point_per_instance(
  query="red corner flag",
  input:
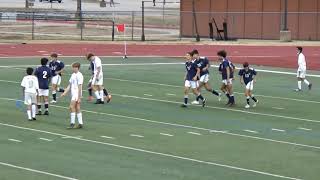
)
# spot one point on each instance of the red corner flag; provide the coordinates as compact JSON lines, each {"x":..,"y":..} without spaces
{"x":120,"y":27}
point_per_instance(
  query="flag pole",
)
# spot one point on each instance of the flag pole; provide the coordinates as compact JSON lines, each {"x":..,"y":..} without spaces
{"x":125,"y":43}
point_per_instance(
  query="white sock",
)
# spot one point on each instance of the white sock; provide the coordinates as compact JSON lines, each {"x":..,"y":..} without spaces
{"x":306,"y":82}
{"x":299,"y":84}
{"x":102,"y":95}
{"x":97,"y":94}
{"x":73,"y":118}
{"x":29,"y":114}
{"x":79,"y":116}
{"x":34,"y":108}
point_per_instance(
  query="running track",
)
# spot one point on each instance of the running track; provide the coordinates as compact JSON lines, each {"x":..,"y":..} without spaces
{"x":275,"y":56}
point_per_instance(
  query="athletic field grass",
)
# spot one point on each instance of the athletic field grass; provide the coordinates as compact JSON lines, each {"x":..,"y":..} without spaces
{"x":143,"y":134}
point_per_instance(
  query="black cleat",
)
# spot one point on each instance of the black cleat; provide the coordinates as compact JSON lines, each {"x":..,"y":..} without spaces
{"x":232,"y":104}
{"x":99,"y":101}
{"x":46,"y":113}
{"x":184,"y":105}
{"x":310,"y":86}
{"x":80,"y":126}
{"x":71,"y":126}
{"x":29,"y":119}
{"x":39,"y":113}
{"x":34,"y":119}
{"x":203,"y":102}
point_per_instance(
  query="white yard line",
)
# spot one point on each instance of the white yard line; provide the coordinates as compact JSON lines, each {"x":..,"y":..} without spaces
{"x":165,"y":134}
{"x":195,"y":133}
{"x":169,"y":94}
{"x":279,"y":108}
{"x":136,"y":135}
{"x":279,"y":130}
{"x":45,"y":139}
{"x":148,"y":95}
{"x":15,"y":140}
{"x":107,"y":137}
{"x":251,"y":131}
{"x":37,"y":171}
{"x":306,"y":129}
{"x":160,"y":154}
{"x":177,"y":125}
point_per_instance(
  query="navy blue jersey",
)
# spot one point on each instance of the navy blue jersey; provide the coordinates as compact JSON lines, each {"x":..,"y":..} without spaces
{"x":191,"y":68}
{"x":232,"y":69}
{"x":247,"y":75}
{"x":202,"y":63}
{"x":224,"y":65}
{"x":56,"y":66}
{"x":43,"y":73}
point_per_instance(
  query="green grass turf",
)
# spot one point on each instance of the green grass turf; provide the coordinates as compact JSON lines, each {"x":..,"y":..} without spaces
{"x":132,"y":112}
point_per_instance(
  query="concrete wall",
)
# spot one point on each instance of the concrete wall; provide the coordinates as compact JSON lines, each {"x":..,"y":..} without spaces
{"x":245,"y":19}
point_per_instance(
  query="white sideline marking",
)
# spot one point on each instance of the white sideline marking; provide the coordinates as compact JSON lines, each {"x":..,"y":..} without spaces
{"x":165,"y":134}
{"x":168,"y":94}
{"x":279,"y":130}
{"x":195,"y":133}
{"x":107,"y":137}
{"x":176,"y":125}
{"x":37,"y":171}
{"x":158,"y":153}
{"x":279,"y":108}
{"x":14,"y":140}
{"x":251,"y":131}
{"x":71,"y":137}
{"x":306,"y":129}
{"x":45,"y":139}
{"x":148,"y":95}
{"x":136,"y":135}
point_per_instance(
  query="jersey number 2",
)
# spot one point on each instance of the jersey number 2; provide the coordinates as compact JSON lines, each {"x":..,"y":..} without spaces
{"x":45,"y":74}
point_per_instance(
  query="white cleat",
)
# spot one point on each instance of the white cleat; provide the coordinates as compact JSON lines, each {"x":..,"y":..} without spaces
{"x":255,"y":104}
{"x":247,"y":106}
{"x":195,"y":102}
{"x":53,"y":102}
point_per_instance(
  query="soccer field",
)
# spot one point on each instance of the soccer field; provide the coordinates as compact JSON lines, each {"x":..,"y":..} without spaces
{"x":143,"y":134}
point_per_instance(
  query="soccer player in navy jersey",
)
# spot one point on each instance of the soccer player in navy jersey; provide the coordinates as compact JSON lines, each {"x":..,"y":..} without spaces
{"x":204,"y":65}
{"x":57,"y":68}
{"x":247,"y":77}
{"x":226,"y":69}
{"x":191,"y":80}
{"x":43,"y":73}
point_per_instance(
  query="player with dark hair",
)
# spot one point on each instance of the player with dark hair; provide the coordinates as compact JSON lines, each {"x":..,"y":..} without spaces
{"x":302,"y":70}
{"x":248,"y":77}
{"x":204,"y":65}
{"x":57,"y":68}
{"x":191,"y":80}
{"x":43,"y":73}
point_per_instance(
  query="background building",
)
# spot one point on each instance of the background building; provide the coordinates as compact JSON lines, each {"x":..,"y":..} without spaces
{"x":253,"y":19}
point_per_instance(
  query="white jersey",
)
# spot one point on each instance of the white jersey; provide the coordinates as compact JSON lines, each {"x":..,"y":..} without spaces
{"x":30,"y":83}
{"x":76,"y":80}
{"x":96,"y":64}
{"x":302,"y":62}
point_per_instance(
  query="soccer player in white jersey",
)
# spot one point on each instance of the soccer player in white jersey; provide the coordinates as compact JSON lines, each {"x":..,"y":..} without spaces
{"x":302,"y":70}
{"x":30,"y":87}
{"x":97,"y":79}
{"x":75,"y":87}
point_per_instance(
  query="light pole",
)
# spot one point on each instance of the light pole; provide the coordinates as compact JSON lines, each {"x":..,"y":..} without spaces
{"x":285,"y":25}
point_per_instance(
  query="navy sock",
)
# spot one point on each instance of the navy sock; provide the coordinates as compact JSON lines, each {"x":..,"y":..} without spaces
{"x":46,"y":106}
{"x":61,"y":90}
{"x":197,"y":98}
{"x":215,"y":93}
{"x":54,"y":97}
{"x":39,"y":107}
{"x":248,"y":100}
{"x":254,"y":99}
{"x":200,"y":97}
{"x":90,"y":92}
{"x":232,"y":98}
{"x":185,"y":100}
{"x":105,"y":92}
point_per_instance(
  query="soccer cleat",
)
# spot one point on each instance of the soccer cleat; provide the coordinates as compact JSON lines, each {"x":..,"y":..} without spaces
{"x":29,"y":119}
{"x":90,"y":98}
{"x":297,"y":90}
{"x":247,"y":106}
{"x":108,"y":98}
{"x":310,"y":86}
{"x":219,"y":97}
{"x":34,"y":119}
{"x":71,"y":126}
{"x":39,"y":113}
{"x":53,"y":102}
{"x":80,"y":126}
{"x":255,"y":104}
{"x":232,"y":104}
{"x":195,"y":102}
{"x":203,"y":102}
{"x":98,"y":101}
{"x":184,"y":105}
{"x":46,"y":113}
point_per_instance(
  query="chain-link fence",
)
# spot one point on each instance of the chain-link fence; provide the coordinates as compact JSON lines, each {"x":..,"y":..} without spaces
{"x":44,"y":25}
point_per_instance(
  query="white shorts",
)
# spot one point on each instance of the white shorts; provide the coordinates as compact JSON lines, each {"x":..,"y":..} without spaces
{"x":192,"y":84}
{"x":249,"y":86}
{"x":301,"y":74}
{"x":204,"y":78}
{"x":74,"y":97}
{"x":99,"y":81}
{"x":30,"y":98}
{"x":225,"y":82}
{"x":56,"y":80}
{"x":43,"y":92}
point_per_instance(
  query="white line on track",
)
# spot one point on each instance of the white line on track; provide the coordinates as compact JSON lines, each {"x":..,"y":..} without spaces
{"x":136,"y":135}
{"x":195,"y":133}
{"x":306,"y":129}
{"x":251,"y":131}
{"x":71,"y":137}
{"x":15,"y":140}
{"x":279,"y":130}
{"x":107,"y":137}
{"x":148,"y":95}
{"x":45,"y":139}
{"x":159,"y":153}
{"x":37,"y":171}
{"x":165,"y":134}
{"x":279,"y":108}
{"x":176,"y":125}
